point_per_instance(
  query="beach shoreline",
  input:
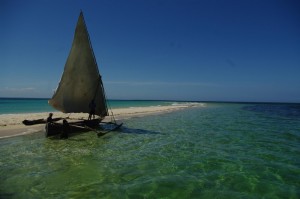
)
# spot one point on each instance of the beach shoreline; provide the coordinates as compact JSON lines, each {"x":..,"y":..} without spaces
{"x":11,"y":124}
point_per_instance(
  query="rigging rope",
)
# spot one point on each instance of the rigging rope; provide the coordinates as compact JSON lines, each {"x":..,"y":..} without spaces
{"x":112,"y":114}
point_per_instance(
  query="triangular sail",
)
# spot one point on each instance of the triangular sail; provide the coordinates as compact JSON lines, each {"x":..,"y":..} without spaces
{"x":81,"y":82}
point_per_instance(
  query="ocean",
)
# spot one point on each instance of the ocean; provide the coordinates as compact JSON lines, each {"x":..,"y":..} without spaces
{"x":219,"y":150}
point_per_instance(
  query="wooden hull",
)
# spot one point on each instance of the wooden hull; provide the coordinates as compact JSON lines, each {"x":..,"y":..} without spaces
{"x":53,"y":129}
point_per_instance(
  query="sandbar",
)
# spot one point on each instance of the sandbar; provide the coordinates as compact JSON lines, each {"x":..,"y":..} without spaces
{"x":11,"y":124}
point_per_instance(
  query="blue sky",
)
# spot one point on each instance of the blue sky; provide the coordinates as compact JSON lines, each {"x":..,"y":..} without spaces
{"x":226,"y":50}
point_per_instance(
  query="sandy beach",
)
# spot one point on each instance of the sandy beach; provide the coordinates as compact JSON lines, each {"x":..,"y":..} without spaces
{"x":11,"y":124}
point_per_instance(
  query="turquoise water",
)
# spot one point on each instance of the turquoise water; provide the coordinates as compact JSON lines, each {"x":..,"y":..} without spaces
{"x":216,"y":151}
{"x":25,"y":105}
{"x":20,"y":105}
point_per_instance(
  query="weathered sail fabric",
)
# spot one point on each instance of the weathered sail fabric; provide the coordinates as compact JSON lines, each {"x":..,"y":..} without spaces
{"x":81,"y":82}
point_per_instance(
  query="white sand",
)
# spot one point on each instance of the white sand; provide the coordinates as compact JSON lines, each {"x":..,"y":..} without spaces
{"x":11,"y":124}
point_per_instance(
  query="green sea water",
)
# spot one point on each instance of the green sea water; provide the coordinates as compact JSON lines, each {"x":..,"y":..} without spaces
{"x":216,"y":151}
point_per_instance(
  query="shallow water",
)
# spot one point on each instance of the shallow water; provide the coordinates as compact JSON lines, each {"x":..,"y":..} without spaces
{"x":217,"y":151}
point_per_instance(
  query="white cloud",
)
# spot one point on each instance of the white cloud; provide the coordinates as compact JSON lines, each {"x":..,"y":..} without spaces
{"x":18,"y":89}
{"x":18,"y":92}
